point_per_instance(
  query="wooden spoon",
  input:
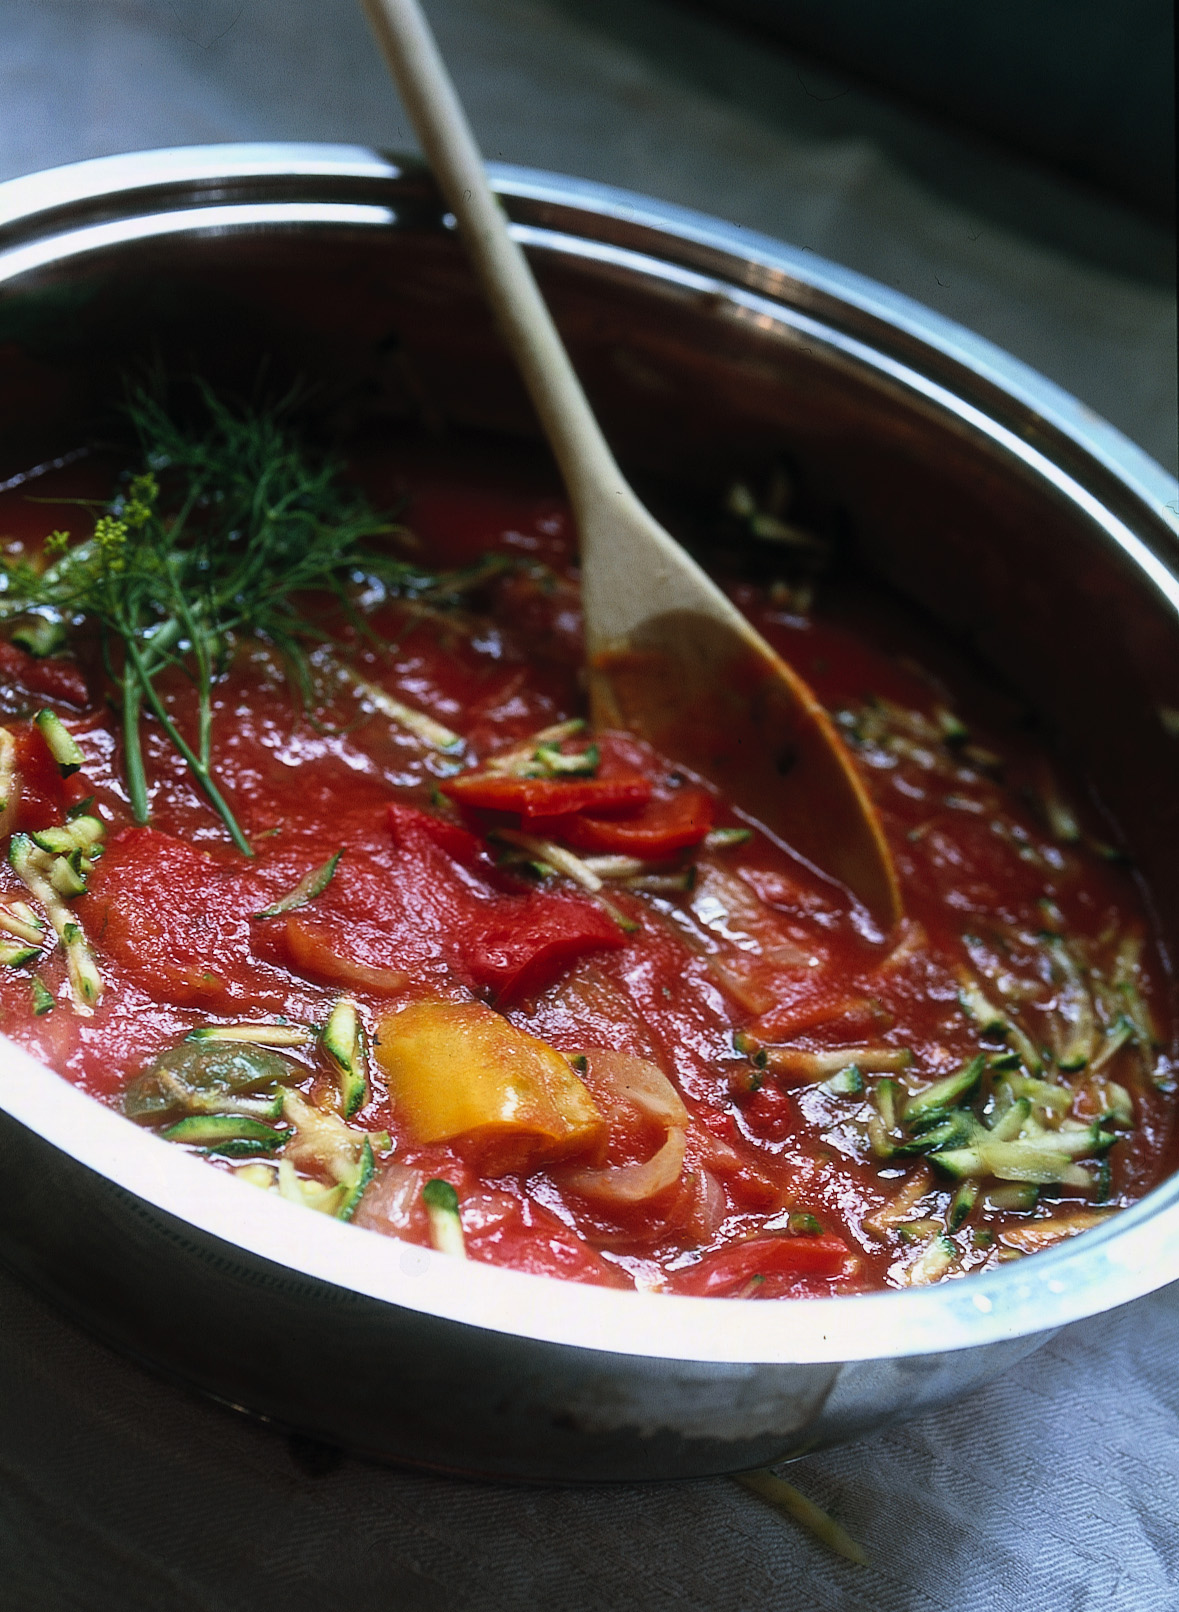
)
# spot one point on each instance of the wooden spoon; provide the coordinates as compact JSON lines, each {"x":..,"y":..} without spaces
{"x":669,"y":657}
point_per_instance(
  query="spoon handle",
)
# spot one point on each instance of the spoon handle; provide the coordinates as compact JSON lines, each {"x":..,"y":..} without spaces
{"x":668,"y":654}
{"x":586,"y":462}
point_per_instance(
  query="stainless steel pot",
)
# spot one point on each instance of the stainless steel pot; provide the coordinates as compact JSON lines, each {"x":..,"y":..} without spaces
{"x":1036,"y":532}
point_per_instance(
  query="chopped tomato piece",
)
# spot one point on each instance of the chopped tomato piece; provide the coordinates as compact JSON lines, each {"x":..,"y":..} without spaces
{"x":546,"y":797}
{"x":169,"y":916}
{"x":544,"y":1252}
{"x":52,"y":679}
{"x":771,"y":1113}
{"x":765,"y":1266}
{"x":43,"y":791}
{"x":662,"y":827}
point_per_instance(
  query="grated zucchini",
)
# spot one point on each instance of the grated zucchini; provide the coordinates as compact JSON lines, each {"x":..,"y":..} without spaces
{"x":255,"y":1035}
{"x":63,"y":747}
{"x":311,"y":885}
{"x":344,"y":1043}
{"x":944,"y":1094}
{"x":442,"y":1209}
{"x":235,"y":1135}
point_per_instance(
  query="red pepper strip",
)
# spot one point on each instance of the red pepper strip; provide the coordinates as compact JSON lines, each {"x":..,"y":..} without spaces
{"x":546,"y":797}
{"x":513,"y":945}
{"x":659,"y":829}
{"x":519,"y":951}
{"x":52,"y":679}
{"x":733,"y":1269}
{"x":410,"y":828}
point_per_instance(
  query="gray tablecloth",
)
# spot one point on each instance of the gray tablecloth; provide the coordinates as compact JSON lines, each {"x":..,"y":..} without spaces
{"x":1054,"y":1488}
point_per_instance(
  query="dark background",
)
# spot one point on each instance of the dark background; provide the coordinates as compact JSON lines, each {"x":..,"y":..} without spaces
{"x":1085,"y":87}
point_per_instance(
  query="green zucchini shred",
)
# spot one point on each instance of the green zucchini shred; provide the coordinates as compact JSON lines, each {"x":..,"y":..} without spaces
{"x":999,"y":1062}
{"x":1121,"y":1107}
{"x":938,"y":1256}
{"x":236,"y":1135}
{"x":253,"y":1035}
{"x":344,"y":1043}
{"x":554,"y":763}
{"x":885,"y":1098}
{"x":43,"y":999}
{"x":57,"y":840}
{"x":1056,"y":1099}
{"x":724,"y":839}
{"x":979,"y":1009}
{"x":750,"y":1047}
{"x":1075,"y":1004}
{"x":784,"y":1497}
{"x":961,"y":1205}
{"x":67,"y":877}
{"x":324,"y":1141}
{"x":952,"y":1129}
{"x":309,"y":886}
{"x":442,"y":1210}
{"x":947,"y":1093}
{"x":63,"y":747}
{"x":33,"y":867}
{"x":306,"y":1192}
{"x":1017,"y":1195}
{"x":20,"y":921}
{"x":1009,"y":1121}
{"x":848,"y":1082}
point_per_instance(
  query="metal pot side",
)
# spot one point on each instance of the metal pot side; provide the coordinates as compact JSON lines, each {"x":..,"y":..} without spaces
{"x":1033,"y":530}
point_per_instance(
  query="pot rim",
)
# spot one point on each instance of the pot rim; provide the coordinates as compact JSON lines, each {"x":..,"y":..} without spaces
{"x":44,"y":220}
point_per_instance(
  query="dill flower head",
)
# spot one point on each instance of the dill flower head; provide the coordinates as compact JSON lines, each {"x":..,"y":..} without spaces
{"x":110,"y":540}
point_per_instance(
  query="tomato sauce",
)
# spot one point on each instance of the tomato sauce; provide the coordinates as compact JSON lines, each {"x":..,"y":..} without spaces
{"x":796,"y":1039}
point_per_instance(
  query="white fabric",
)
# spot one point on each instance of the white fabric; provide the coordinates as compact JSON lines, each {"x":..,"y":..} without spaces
{"x":1054,"y":1488}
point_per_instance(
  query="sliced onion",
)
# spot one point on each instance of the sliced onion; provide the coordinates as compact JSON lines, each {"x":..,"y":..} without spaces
{"x":632,"y":1183}
{"x":913,"y":939}
{"x":721,"y":1156}
{"x":742,"y":983}
{"x":637,"y":1081}
{"x":707,"y":1206}
{"x":311,"y":954}
{"x":388,"y":1205}
{"x":380,"y":980}
{"x":731,"y":909}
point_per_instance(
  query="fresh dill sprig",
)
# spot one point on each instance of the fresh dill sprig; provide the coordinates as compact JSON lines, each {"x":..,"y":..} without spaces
{"x":216,"y":538}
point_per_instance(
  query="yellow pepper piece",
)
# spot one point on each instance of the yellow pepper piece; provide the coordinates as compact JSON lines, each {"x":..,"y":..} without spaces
{"x":460,"y":1073}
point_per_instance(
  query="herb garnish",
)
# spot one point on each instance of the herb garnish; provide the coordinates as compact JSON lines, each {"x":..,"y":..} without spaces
{"x":228,"y":523}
